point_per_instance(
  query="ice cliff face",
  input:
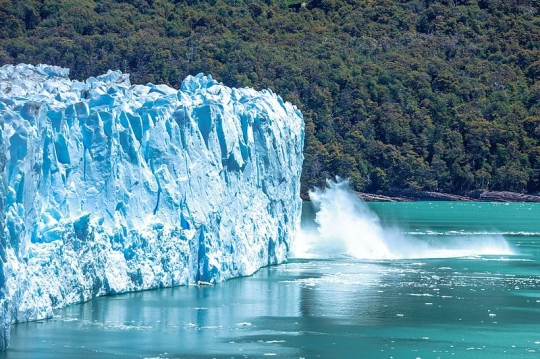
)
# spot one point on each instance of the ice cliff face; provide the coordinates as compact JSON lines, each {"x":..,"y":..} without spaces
{"x":107,"y":187}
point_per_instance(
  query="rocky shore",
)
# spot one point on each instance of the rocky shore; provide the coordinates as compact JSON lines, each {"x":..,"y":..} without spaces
{"x":407,"y":195}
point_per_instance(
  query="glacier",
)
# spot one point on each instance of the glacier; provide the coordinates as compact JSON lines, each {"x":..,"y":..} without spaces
{"x":108,"y":187}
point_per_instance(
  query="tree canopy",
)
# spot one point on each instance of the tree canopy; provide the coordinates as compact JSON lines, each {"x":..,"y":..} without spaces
{"x":440,"y":95}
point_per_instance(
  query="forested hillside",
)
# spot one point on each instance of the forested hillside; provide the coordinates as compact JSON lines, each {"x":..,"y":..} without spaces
{"x":421,"y":94}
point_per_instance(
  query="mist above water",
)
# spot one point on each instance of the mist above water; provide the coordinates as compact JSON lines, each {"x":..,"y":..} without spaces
{"x":346,"y":227}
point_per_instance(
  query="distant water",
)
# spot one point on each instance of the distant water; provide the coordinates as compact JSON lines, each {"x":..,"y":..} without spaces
{"x":445,"y":280}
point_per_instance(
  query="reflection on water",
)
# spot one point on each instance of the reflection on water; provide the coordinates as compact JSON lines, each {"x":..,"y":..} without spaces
{"x":179,"y":321}
{"x":306,"y":308}
{"x":474,"y":307}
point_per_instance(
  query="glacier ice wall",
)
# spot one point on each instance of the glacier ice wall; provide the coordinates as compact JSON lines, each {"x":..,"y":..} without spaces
{"x":108,"y":187}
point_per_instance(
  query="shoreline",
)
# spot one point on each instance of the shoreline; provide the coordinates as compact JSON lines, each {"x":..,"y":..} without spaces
{"x":407,"y":195}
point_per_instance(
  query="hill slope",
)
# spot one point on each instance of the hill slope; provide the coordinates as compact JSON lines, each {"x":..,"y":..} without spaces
{"x":424,"y":95}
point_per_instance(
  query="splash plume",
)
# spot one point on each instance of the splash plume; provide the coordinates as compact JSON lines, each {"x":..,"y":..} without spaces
{"x":346,"y":227}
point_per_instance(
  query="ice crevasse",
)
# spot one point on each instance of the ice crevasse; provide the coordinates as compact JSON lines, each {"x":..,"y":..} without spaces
{"x":108,"y":187}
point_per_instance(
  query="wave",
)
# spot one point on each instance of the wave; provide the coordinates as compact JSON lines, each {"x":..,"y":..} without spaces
{"x":474,"y":233}
{"x":346,"y":227}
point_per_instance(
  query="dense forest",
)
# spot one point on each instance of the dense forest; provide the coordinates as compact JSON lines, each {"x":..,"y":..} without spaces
{"x":413,"y":94}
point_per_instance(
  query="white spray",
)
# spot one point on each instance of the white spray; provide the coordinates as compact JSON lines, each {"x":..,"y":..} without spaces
{"x":345,"y":226}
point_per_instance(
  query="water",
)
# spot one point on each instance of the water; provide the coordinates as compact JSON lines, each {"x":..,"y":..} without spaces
{"x":471,"y":291}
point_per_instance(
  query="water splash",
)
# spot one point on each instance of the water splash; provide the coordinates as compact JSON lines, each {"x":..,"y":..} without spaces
{"x":345,"y":226}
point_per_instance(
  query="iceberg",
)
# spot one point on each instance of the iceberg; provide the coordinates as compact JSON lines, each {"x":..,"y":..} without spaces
{"x":108,"y":187}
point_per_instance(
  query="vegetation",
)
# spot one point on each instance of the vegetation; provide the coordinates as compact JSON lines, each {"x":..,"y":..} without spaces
{"x":415,"y":94}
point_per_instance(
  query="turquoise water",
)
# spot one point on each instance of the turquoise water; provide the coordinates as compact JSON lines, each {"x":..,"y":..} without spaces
{"x":339,"y":306}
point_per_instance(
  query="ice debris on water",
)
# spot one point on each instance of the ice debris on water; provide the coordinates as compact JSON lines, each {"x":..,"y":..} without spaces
{"x":108,"y":187}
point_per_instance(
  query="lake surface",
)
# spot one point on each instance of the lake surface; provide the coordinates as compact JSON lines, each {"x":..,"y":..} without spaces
{"x":337,"y":305}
